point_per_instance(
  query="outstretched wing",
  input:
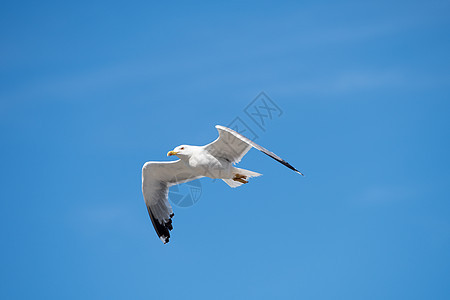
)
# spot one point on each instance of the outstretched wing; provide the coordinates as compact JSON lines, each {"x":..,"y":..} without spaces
{"x":230,"y":145}
{"x":157,"y":177}
{"x":233,"y":146}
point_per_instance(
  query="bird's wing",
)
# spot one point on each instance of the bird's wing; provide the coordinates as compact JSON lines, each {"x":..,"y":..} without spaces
{"x":233,"y":146}
{"x":230,"y":145}
{"x":157,"y":177}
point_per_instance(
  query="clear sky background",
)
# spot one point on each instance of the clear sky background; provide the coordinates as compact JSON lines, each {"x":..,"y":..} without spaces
{"x":89,"y":91}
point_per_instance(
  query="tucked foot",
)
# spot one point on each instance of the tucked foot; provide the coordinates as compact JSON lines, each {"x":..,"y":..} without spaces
{"x":240,"y":178}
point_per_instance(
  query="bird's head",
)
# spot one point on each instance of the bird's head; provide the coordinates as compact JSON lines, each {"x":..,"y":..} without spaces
{"x":181,"y":151}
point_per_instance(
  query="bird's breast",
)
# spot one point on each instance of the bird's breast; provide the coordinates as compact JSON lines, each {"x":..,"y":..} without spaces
{"x":210,"y":166}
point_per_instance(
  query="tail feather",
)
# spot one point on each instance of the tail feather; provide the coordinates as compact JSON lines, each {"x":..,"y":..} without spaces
{"x":232,"y":183}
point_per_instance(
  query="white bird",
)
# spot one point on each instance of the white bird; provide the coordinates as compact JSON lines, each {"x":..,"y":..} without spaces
{"x":214,"y":160}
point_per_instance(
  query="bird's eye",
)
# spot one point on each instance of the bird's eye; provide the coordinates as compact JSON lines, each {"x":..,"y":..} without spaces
{"x":182,"y":148}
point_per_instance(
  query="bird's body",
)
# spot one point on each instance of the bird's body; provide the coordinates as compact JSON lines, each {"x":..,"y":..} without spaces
{"x":214,"y":160}
{"x":203,"y":163}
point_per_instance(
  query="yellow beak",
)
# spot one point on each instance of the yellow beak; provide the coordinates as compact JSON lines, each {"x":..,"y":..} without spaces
{"x":170,"y":153}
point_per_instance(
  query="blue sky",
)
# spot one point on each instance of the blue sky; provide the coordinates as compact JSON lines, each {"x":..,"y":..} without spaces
{"x":89,"y":91}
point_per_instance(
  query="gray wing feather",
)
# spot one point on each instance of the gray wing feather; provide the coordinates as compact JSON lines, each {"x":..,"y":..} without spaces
{"x":157,"y":177}
{"x":233,"y":146}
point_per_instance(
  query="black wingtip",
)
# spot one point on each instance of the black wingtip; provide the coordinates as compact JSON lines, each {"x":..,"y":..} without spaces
{"x":280,"y":160}
{"x":162,"y":228}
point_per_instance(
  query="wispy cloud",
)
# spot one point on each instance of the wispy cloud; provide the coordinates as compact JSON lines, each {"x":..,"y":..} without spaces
{"x":82,"y":82}
{"x":345,"y":82}
{"x":380,"y":195}
{"x":145,"y":69}
{"x":97,"y":218}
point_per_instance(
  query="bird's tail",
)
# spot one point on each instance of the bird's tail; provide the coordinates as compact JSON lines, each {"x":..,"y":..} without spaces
{"x":240,"y":172}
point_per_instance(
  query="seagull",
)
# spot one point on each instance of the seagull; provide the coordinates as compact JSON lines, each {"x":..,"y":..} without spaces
{"x":215,"y":160}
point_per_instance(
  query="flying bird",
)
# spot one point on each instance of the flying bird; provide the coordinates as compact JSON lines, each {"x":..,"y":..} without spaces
{"x":215,"y":160}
